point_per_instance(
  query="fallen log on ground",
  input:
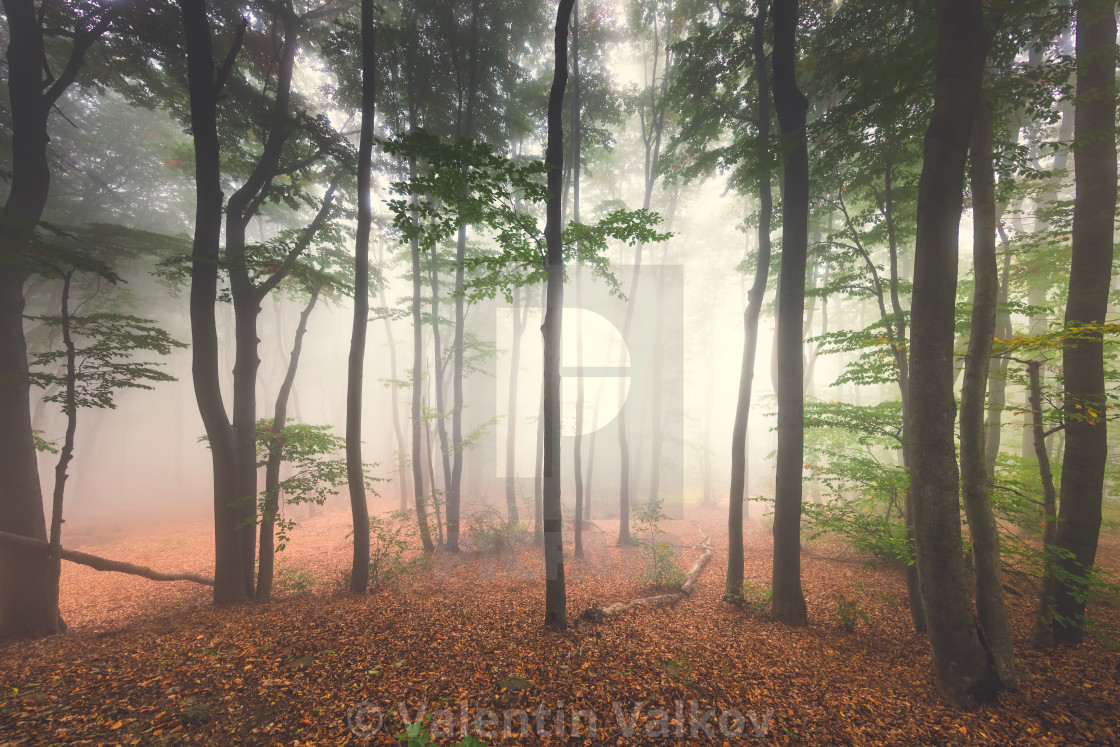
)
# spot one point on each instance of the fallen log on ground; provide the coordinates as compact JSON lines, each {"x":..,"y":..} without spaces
{"x":102,"y":564}
{"x":598,"y":614}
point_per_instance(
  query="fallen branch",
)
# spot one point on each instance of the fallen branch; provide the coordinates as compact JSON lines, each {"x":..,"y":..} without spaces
{"x":598,"y":614}
{"x":102,"y":564}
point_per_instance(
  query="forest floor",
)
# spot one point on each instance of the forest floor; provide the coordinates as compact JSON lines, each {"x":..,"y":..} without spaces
{"x":153,"y":663}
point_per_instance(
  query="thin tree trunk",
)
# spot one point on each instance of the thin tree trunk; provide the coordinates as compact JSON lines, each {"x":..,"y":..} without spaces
{"x":577,"y":447}
{"x":736,"y":504}
{"x":975,"y":479}
{"x":355,"y":472}
{"x":788,"y":601}
{"x":437,"y":376}
{"x":1043,"y":634}
{"x":417,"y":372}
{"x":1090,"y":275}
{"x":997,"y":376}
{"x":960,"y":662}
{"x":267,"y":551}
{"x":66,"y":453}
{"x":556,"y":615}
{"x":520,"y":318}
{"x":398,"y":432}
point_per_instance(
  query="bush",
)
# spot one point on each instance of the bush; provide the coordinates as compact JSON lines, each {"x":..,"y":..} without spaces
{"x":661,"y":568}
{"x":754,"y":598}
{"x":293,"y":579}
{"x":849,"y":612}
{"x":487,"y":531}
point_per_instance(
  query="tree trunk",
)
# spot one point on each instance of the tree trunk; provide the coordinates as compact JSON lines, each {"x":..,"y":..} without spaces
{"x":555,"y":615}
{"x":267,"y":554}
{"x":437,"y":378}
{"x":791,"y":106}
{"x":735,"y":506}
{"x":960,"y":662}
{"x":577,"y":125}
{"x":27,"y":604}
{"x":417,"y":372}
{"x":997,"y":375}
{"x":398,"y":432}
{"x":975,"y":479}
{"x":355,"y":472}
{"x":229,"y":581}
{"x":520,"y":318}
{"x":1090,"y":274}
{"x":1043,"y":634}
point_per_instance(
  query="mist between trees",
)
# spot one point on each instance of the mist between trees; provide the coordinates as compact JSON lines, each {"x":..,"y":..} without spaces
{"x":560,"y":270}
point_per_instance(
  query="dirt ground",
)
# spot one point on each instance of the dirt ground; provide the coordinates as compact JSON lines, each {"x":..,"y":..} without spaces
{"x":154,"y":663}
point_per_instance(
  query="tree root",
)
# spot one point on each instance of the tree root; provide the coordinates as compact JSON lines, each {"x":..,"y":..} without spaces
{"x":102,"y":564}
{"x":598,"y":614}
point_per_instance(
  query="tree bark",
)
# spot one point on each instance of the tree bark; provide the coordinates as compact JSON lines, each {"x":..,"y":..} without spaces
{"x":975,"y":479}
{"x":960,"y":662}
{"x":1043,"y":634}
{"x":556,"y":614}
{"x":27,"y":605}
{"x":577,"y":126}
{"x":229,"y":581}
{"x":734,"y":584}
{"x":41,"y":547}
{"x":267,"y":549}
{"x":520,"y":317}
{"x":788,"y":601}
{"x":1094,"y":210}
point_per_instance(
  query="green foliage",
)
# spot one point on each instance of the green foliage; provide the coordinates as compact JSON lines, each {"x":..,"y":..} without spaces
{"x":661,"y":556}
{"x":754,"y":598}
{"x":849,"y":612}
{"x":293,"y":579}
{"x":389,"y":539}
{"x":488,"y":531}
{"x":104,"y":347}
{"x":466,"y":183}
{"x":874,"y":362}
{"x":416,"y":734}
{"x":42,"y":445}
{"x":316,"y":473}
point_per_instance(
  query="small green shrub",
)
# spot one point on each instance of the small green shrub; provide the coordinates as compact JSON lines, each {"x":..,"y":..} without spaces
{"x":488,"y":531}
{"x":293,"y":579}
{"x":849,"y":612}
{"x":754,"y":598}
{"x":660,"y":568}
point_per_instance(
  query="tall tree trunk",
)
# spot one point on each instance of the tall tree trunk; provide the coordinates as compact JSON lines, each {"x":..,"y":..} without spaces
{"x":997,"y":375}
{"x":417,"y":373}
{"x":975,"y":480}
{"x":1043,"y":634}
{"x":398,"y":432}
{"x":1090,"y":274}
{"x":66,"y":453}
{"x":538,"y":474}
{"x":229,"y":580}
{"x":437,"y":377}
{"x":555,"y":615}
{"x":27,"y":604}
{"x":735,"y":506}
{"x":355,"y":472}
{"x":266,"y":564}
{"x":960,"y":662}
{"x":577,"y":126}
{"x":791,"y":106}
{"x":520,"y":318}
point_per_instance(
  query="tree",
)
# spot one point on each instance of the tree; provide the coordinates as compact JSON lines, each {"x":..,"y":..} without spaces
{"x":1090,"y":275}
{"x":964,"y":674}
{"x":26,"y":604}
{"x":791,"y":107}
{"x":359,"y":575}
{"x":205,"y":89}
{"x":555,"y":601}
{"x":975,"y":479}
